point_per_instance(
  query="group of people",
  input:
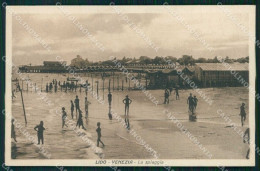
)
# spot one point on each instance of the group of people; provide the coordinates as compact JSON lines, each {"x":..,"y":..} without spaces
{"x":66,"y":85}
{"x":167,"y":93}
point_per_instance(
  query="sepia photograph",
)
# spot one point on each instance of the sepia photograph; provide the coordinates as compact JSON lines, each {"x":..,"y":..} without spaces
{"x":130,"y":85}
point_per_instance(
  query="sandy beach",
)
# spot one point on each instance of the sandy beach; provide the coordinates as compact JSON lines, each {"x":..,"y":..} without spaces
{"x":147,"y":119}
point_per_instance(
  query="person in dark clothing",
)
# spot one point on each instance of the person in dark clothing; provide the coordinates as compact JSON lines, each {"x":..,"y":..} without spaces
{"x":47,"y":88}
{"x":64,"y":116}
{"x":109,"y":98}
{"x":98,"y":130}
{"x":190,"y":102}
{"x":80,"y":121}
{"x":166,"y":96}
{"x":50,"y":87}
{"x":177,"y":93}
{"x":39,"y":129}
{"x":13,"y":135}
{"x":127,"y":102}
{"x":242,"y":113}
{"x":195,"y":102}
{"x":76,"y":101}
{"x":246,"y":139}
{"x":55,"y":87}
{"x":72,"y":108}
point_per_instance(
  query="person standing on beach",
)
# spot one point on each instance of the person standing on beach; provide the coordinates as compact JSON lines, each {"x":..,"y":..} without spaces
{"x":109,"y":98}
{"x":127,"y":102}
{"x":13,"y":135}
{"x":76,"y":101}
{"x":242,"y":113}
{"x":64,"y":116}
{"x":55,"y":87}
{"x":195,"y":102}
{"x":166,"y":96}
{"x":98,"y":130}
{"x":50,"y":87}
{"x":39,"y":129}
{"x":190,"y":102}
{"x":71,"y":108}
{"x":80,"y":121}
{"x":47,"y":88}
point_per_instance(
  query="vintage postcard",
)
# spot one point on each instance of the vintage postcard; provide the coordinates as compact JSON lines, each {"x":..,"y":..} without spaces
{"x":130,"y":85}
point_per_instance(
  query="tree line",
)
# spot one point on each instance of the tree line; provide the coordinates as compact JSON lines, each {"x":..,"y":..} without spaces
{"x":79,"y":62}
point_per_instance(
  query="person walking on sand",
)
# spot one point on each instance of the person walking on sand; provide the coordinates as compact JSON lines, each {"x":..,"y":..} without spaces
{"x":72,"y":108}
{"x":76,"y":101}
{"x":98,"y":130}
{"x":195,"y":102}
{"x":47,"y":88}
{"x":39,"y":129}
{"x":166,"y":96}
{"x":127,"y":102}
{"x":242,"y":113}
{"x":80,"y":121}
{"x":13,"y":135}
{"x":190,"y":102}
{"x":177,"y":93}
{"x":64,"y":116}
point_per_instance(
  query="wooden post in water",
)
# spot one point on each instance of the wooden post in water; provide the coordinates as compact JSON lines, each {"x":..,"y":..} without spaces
{"x":109,"y":85}
{"x":86,"y":90}
{"x":103,"y":79}
{"x":23,"y":104}
{"x":97,"y":87}
{"x":117,"y":82}
{"x":122,"y":84}
{"x":92,"y":81}
{"x":113,"y":81}
{"x":41,"y":84}
{"x":22,"y":85}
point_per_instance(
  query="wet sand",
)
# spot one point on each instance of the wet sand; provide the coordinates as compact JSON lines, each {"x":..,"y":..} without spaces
{"x":148,"y":120}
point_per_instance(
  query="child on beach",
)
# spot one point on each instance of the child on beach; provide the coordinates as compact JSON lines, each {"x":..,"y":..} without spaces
{"x":64,"y":116}
{"x":127,"y":102}
{"x":39,"y":129}
{"x":80,"y":121}
{"x":99,"y":135}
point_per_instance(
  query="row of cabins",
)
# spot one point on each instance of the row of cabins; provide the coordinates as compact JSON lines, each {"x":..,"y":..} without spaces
{"x":202,"y":74}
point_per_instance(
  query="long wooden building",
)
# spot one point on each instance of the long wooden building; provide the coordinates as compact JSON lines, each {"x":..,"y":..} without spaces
{"x":219,"y":74}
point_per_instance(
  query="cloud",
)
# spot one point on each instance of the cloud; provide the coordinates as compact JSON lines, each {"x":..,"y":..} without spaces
{"x":120,"y":39}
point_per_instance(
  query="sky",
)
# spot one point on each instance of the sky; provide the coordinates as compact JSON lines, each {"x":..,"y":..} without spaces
{"x":118,"y":39}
